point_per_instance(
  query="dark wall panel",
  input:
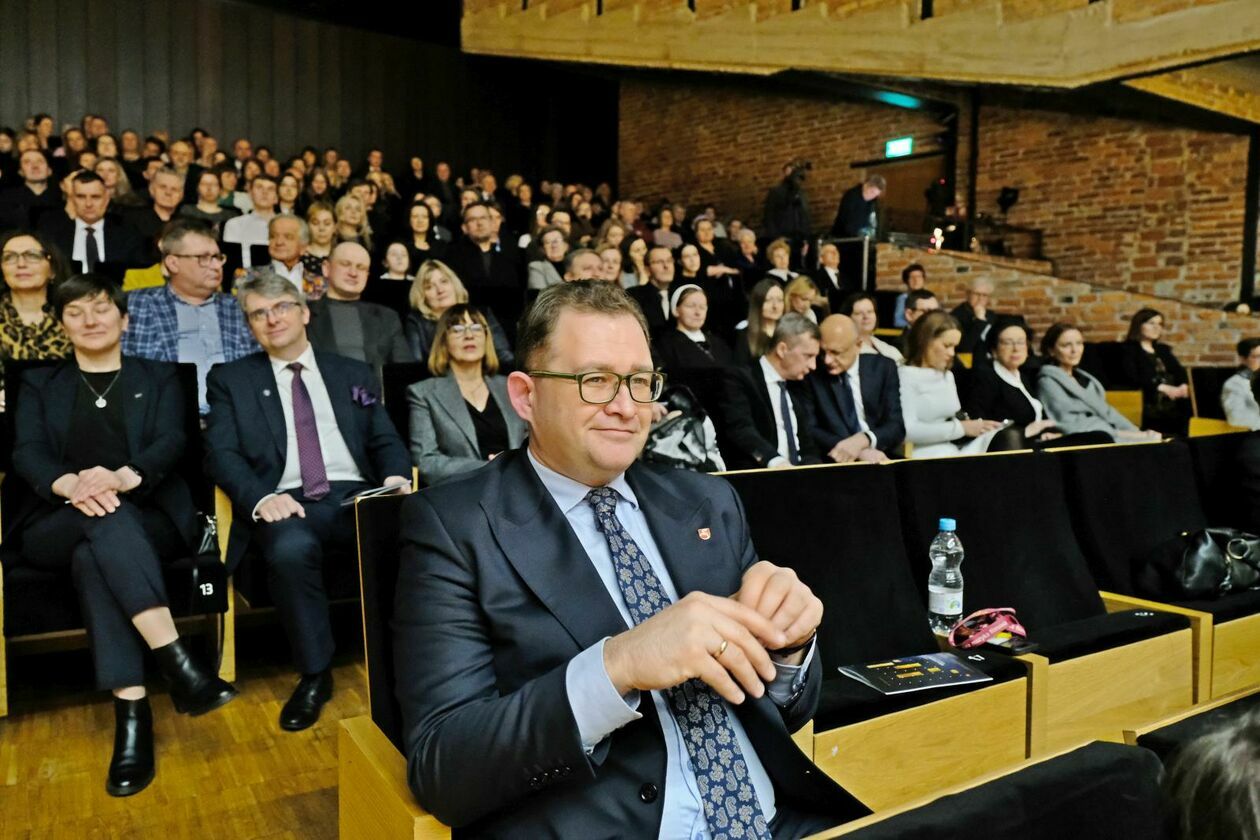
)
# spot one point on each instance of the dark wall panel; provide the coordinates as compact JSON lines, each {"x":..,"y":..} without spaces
{"x":283,"y":81}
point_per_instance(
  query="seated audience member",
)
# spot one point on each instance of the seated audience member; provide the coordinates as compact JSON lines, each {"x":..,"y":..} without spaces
{"x":689,"y":345}
{"x":287,"y":239}
{"x":653,"y":297}
{"x":208,"y":208}
{"x":828,"y":276}
{"x":490,"y":270}
{"x":1149,"y":364}
{"x":930,"y":405}
{"x":746,"y":259}
{"x":323,"y":235}
{"x":423,"y":243}
{"x":435,"y":290}
{"x":1212,"y":784}
{"x":1074,"y":398}
{"x":666,"y":234}
{"x":860,"y":306}
{"x":93,"y":239}
{"x":549,"y":271}
{"x":166,"y":191}
{"x":918,"y":303}
{"x":857,"y":398}
{"x":609,"y":262}
{"x":188,"y":319}
{"x":582,"y":264}
{"x":767,"y":411}
{"x":1240,"y":406}
{"x":974,"y":316}
{"x":105,"y":504}
{"x":462,"y":418}
{"x":343,"y":323}
{"x":720,"y":279}
{"x":779,"y":253}
{"x":1002,"y":385}
{"x":488,"y":676}
{"x":914,"y":276}
{"x":634,"y":251}
{"x":689,"y":264}
{"x":397,"y":263}
{"x":253,"y":228}
{"x":803,"y":298}
{"x":29,"y":330}
{"x":293,"y":432}
{"x":766,"y":304}
{"x":22,"y":205}
{"x":352,"y":220}
{"x":114,"y":177}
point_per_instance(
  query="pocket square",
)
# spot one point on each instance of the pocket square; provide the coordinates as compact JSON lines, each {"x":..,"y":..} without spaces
{"x":362,"y":396}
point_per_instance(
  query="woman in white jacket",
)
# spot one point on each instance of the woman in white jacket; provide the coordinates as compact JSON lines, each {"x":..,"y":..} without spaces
{"x":929,"y":397}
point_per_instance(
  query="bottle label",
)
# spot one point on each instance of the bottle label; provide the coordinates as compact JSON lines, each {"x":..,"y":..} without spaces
{"x":945,"y":601}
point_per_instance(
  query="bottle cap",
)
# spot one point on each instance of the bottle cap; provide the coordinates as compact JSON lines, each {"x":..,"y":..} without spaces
{"x":948,"y":524}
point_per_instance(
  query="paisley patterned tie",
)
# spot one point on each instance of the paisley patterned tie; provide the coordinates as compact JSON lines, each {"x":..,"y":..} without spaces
{"x":726,"y":791}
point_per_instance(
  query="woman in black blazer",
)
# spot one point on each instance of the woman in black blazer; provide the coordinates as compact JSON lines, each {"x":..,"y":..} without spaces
{"x":1150,"y":365}
{"x":1002,"y":387}
{"x":689,"y":346}
{"x":97,"y":441}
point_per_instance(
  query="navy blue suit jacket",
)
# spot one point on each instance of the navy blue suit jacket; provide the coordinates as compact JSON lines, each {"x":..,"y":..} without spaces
{"x":881,"y":401}
{"x":247,"y":439}
{"x":495,"y":596}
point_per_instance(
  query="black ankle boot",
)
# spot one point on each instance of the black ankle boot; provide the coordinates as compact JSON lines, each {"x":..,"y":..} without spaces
{"x":194,"y":689}
{"x":131,"y":768}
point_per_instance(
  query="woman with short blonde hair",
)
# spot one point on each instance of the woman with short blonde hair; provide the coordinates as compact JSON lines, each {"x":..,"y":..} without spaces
{"x":435,"y":290}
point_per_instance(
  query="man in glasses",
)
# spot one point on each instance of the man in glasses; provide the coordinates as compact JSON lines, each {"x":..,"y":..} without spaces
{"x":598,"y":630}
{"x":292,"y":433}
{"x":343,"y":323}
{"x":188,"y":319}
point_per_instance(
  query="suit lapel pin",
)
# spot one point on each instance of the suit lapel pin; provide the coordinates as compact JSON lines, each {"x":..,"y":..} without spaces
{"x":266,"y":392}
{"x":704,"y":533}
{"x":138,"y":396}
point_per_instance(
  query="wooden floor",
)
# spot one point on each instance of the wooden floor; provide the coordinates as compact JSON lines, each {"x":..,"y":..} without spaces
{"x":229,"y":774}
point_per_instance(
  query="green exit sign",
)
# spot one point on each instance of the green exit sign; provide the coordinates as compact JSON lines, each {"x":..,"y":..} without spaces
{"x":899,"y":147}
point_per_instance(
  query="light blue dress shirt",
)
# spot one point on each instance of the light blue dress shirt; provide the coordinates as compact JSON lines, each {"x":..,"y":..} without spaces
{"x":597,"y":707}
{"x":200,"y":340}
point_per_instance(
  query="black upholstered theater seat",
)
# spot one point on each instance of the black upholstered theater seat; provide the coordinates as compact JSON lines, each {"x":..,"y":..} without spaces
{"x":1217,"y":474}
{"x":839,"y":528}
{"x":1097,"y":792}
{"x":396,"y":378}
{"x":1165,"y":740}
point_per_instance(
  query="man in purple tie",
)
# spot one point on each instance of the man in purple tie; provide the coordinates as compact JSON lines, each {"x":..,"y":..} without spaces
{"x":292,"y":433}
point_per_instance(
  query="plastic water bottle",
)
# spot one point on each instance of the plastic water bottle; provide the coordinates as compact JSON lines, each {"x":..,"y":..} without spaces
{"x":945,"y":583}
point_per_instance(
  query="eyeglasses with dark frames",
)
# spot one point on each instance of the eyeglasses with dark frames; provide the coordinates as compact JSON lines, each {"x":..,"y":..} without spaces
{"x":599,"y":387}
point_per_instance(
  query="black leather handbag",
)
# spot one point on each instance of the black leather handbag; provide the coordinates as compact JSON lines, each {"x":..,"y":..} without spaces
{"x":1200,"y":565}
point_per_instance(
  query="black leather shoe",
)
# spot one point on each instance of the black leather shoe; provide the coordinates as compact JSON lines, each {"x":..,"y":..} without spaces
{"x":194,"y":690}
{"x":131,"y":769}
{"x":302,"y":710}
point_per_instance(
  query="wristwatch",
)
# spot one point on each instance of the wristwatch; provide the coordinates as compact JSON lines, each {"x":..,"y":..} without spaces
{"x":788,"y":651}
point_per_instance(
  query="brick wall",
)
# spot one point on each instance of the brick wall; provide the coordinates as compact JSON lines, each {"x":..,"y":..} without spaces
{"x":1198,"y":335}
{"x":724,"y":143}
{"x":1131,"y":205}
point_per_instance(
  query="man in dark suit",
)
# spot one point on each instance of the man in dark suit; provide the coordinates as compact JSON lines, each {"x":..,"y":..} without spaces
{"x":291,"y":434}
{"x":94,"y":241}
{"x":974,"y":316}
{"x":856,"y":398}
{"x":766,"y":410}
{"x":166,"y":189}
{"x":343,"y":323}
{"x":491,"y":271}
{"x":518,"y":585}
{"x":653,"y":296}
{"x":22,"y":204}
{"x":828,"y":277}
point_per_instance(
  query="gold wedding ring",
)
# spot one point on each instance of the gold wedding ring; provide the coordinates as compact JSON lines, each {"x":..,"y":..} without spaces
{"x":721,"y":650}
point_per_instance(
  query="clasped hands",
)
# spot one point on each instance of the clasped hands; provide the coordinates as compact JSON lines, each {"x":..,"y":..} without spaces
{"x":723,"y":641}
{"x":94,"y":491}
{"x":281,"y":506}
{"x":856,"y":448}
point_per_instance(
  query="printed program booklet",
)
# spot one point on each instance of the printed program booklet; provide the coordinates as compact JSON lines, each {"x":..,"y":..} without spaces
{"x":915,"y":673}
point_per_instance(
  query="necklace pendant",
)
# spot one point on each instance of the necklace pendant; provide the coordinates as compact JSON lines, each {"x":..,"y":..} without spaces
{"x":100,"y":402}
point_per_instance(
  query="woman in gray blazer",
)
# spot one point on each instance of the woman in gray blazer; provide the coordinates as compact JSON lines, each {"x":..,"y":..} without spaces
{"x":549,"y":270}
{"x":461,"y":419}
{"x":1075,"y":399}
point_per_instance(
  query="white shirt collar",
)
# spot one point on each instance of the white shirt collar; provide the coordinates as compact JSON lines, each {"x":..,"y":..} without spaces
{"x":1012,"y":379}
{"x":97,"y":227}
{"x":694,"y":335}
{"x":307,"y":359}
{"x":569,"y":493}
{"x":767,"y":370}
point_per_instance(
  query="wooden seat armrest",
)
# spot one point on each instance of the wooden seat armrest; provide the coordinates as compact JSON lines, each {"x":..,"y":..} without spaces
{"x":375,"y":801}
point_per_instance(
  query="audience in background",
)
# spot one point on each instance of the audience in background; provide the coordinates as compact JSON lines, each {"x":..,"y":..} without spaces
{"x":1240,"y":406}
{"x":253,"y":227}
{"x":634,"y":270}
{"x":974,"y":316}
{"x":803,"y":298}
{"x":779,"y":253}
{"x":29,"y":330}
{"x":930,"y":405}
{"x":914,"y":276}
{"x":1149,"y":364}
{"x":860,"y":306}
{"x":94,"y":239}
{"x":689,"y":345}
{"x":766,"y":406}
{"x":462,"y":418}
{"x":857,"y":398}
{"x":828,"y":276}
{"x":106,"y":504}
{"x":549,"y":270}
{"x":436,"y":289}
{"x":653,"y":297}
{"x":766,"y":305}
{"x":1074,"y":398}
